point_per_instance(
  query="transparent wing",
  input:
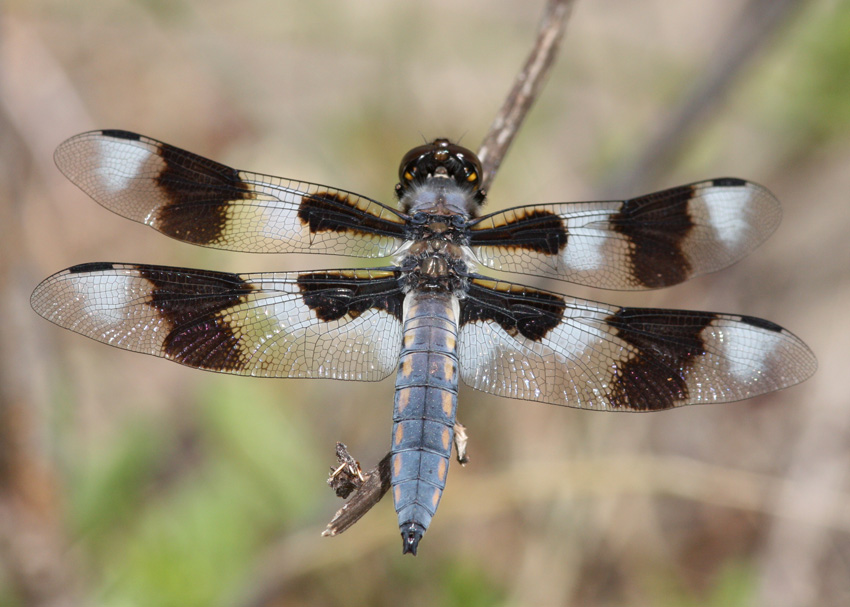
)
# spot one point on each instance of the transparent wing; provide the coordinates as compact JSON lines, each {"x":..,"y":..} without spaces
{"x":525,"y":343}
{"x":199,"y":201}
{"x":339,"y":324}
{"x":648,"y":242}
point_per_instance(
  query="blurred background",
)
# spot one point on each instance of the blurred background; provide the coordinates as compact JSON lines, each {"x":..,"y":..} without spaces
{"x":127,"y":480}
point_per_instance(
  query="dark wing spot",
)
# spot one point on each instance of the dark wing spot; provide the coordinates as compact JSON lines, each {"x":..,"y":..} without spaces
{"x":732,"y":182}
{"x":92,"y":266}
{"x":761,"y":323}
{"x":540,"y":231}
{"x":199,"y":192}
{"x":335,"y":212}
{"x":332,"y":295}
{"x":119,"y":134}
{"x":207,"y":344}
{"x":656,"y":226}
{"x":667,"y":345}
{"x":518,"y":310}
{"x":193,"y":304}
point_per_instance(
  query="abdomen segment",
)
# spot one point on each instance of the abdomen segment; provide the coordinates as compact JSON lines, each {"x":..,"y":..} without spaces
{"x":424,"y":412}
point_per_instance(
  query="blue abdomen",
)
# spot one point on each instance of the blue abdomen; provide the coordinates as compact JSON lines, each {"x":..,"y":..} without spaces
{"x":424,"y":411}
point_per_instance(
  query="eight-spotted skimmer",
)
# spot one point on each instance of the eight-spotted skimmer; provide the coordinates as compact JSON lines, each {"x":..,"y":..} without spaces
{"x":428,"y":315}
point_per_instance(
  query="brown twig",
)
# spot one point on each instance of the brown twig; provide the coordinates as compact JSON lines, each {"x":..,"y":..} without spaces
{"x":527,"y":87}
{"x":368,"y":489}
{"x":373,"y":485}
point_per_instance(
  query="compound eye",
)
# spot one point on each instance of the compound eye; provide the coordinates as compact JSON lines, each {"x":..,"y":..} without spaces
{"x":472,"y":177}
{"x":408,"y":176}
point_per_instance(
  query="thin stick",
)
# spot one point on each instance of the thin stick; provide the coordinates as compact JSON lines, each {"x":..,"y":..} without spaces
{"x":527,"y":87}
{"x":366,"y":492}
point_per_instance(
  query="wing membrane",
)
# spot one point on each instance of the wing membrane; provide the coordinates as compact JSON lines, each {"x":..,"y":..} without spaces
{"x":524,"y":343}
{"x":339,"y":324}
{"x":200,"y":201}
{"x":647,"y":242}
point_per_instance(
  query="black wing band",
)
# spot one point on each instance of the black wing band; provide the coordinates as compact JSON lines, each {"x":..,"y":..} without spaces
{"x":203,"y":202}
{"x":339,"y":324}
{"x":530,"y":344}
{"x":648,"y":242}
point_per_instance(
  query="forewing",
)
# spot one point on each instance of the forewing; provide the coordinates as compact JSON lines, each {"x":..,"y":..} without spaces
{"x":520,"y":342}
{"x":339,"y":324}
{"x":200,"y":201}
{"x":648,"y":242}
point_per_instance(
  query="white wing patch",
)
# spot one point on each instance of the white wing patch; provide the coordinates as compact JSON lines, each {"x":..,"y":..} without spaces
{"x":261,"y":323}
{"x":730,"y":214}
{"x":119,"y":164}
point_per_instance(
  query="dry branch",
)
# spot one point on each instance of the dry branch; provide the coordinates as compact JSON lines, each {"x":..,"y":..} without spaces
{"x":527,"y":87}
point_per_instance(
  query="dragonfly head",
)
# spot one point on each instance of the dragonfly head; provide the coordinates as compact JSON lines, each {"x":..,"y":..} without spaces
{"x":441,"y":159}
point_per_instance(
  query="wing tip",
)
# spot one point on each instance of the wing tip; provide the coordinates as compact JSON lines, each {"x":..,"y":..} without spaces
{"x":120,"y":134}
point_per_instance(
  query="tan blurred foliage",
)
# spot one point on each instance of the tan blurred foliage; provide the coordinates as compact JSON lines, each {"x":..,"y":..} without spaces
{"x":128,"y":480}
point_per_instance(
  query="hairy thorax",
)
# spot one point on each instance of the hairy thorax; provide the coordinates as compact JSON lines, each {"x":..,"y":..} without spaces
{"x":437,"y":258}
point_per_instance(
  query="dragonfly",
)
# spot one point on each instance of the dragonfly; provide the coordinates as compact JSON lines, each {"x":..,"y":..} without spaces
{"x":431,"y":314}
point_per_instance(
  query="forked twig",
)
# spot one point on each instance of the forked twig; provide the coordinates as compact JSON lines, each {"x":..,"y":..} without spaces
{"x":367,"y":488}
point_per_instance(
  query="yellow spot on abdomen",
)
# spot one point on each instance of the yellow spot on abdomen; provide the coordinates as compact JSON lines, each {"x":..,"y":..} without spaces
{"x":399,"y":435}
{"x":447,"y":439}
{"x":435,"y":499}
{"x":441,"y":470}
{"x":407,"y":366}
{"x":447,"y":403}
{"x":403,"y":399}
{"x":448,"y":369}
